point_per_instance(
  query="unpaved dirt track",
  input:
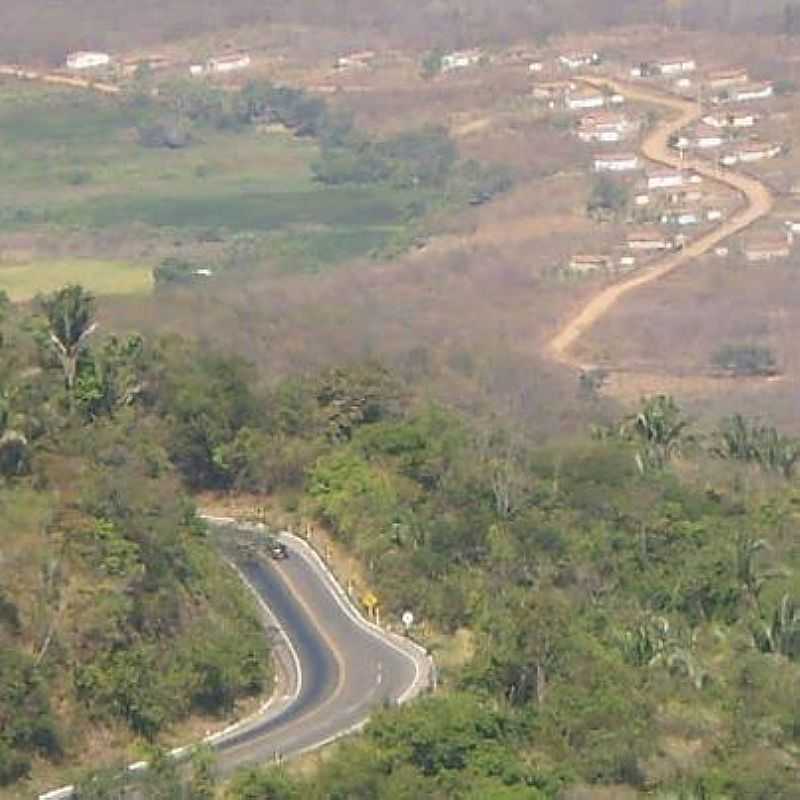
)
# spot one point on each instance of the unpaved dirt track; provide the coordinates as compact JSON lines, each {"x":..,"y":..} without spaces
{"x":758,"y":203}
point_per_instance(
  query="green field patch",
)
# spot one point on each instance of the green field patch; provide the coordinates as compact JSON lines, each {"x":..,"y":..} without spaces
{"x":25,"y":280}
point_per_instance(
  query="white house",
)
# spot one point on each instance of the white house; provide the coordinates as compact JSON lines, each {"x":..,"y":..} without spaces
{"x":589,"y":263}
{"x":665,"y":179}
{"x":359,"y":60}
{"x":460,"y":59}
{"x":713,"y":214}
{"x":616,"y":162}
{"x":196,"y":69}
{"x":721,"y":78}
{"x":605,"y":126}
{"x":535,"y":66}
{"x":676,"y":66}
{"x":87,"y":60}
{"x":585,"y":98}
{"x":747,"y":152}
{"x":682,"y":218}
{"x":733,"y":119}
{"x":768,"y":247}
{"x":706,"y":137}
{"x":229,"y":63}
{"x":578,"y":60}
{"x":627,"y":261}
{"x":652,"y":240}
{"x":752,"y":91}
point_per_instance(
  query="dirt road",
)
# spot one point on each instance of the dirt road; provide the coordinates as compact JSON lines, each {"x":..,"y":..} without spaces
{"x":758,"y":203}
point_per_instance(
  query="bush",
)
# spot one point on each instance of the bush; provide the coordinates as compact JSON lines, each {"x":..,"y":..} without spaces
{"x":745,"y":360}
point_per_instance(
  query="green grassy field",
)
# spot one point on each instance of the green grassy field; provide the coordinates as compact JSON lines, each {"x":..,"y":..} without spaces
{"x":73,"y":161}
{"x":23,"y":281}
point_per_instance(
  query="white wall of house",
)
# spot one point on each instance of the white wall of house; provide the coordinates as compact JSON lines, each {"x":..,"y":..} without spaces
{"x":87,"y":60}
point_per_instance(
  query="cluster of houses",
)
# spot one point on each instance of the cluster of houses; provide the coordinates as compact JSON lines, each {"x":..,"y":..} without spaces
{"x":86,"y":60}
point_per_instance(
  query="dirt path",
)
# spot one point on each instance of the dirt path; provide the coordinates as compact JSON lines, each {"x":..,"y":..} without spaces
{"x":655,"y":147}
{"x":58,"y":79}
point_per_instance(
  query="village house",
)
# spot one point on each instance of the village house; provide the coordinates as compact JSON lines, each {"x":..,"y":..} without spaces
{"x":535,"y":66}
{"x":616,"y":162}
{"x":751,"y":91}
{"x":676,"y":66}
{"x":722,"y":78}
{"x":747,"y":152}
{"x":358,"y":60}
{"x":649,"y":240}
{"x":584,"y":264}
{"x":768,"y":247}
{"x":665,"y":179}
{"x":228,"y":63}
{"x":627,"y":261}
{"x":87,"y":60}
{"x":706,"y":137}
{"x":584,"y":98}
{"x":793,"y":224}
{"x":460,"y":59}
{"x":667,"y":67}
{"x":686,"y":195}
{"x":731,"y":119}
{"x":605,"y":126}
{"x":578,"y":60}
{"x":681,"y":217}
{"x":713,"y":214}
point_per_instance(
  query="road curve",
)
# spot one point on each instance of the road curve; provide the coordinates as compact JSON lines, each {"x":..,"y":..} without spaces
{"x":758,"y":203}
{"x":339,"y":667}
{"x":347,"y":667}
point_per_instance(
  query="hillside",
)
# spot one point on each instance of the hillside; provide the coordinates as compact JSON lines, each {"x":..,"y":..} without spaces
{"x":118,"y":619}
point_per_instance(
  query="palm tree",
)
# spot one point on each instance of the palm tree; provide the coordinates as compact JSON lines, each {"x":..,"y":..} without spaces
{"x":660,"y":426}
{"x":69,"y":313}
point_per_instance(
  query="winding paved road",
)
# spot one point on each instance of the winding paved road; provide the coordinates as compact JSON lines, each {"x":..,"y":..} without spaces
{"x":336,"y":667}
{"x":347,"y":668}
{"x":758,"y":203}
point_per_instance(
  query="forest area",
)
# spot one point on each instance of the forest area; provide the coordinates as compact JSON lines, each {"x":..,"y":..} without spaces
{"x":631,"y":593}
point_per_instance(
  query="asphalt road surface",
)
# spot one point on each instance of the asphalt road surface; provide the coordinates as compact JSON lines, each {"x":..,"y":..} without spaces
{"x":347,"y":669}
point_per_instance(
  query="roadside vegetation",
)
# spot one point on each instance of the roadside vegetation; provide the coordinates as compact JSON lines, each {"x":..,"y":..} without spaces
{"x":117,"y":617}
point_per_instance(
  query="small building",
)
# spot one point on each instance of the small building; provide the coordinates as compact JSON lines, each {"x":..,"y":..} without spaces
{"x":685,"y":195}
{"x":605,"y":126}
{"x":706,"y":137}
{"x":768,"y":247}
{"x":87,"y":60}
{"x":748,"y":152}
{"x":665,"y":179}
{"x":675,"y":66}
{"x":579,"y":99}
{"x":681,"y":217}
{"x":195,"y":70}
{"x":683,"y":83}
{"x":578,"y":60}
{"x":641,"y":198}
{"x":228,"y":63}
{"x":535,"y":66}
{"x":460,"y":59}
{"x":584,"y":264}
{"x":722,"y":78}
{"x":793,"y":224}
{"x":713,"y":214}
{"x":616,"y":162}
{"x":359,"y":60}
{"x":731,"y":119}
{"x":627,"y":261}
{"x":751,"y":91}
{"x":649,"y":240}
